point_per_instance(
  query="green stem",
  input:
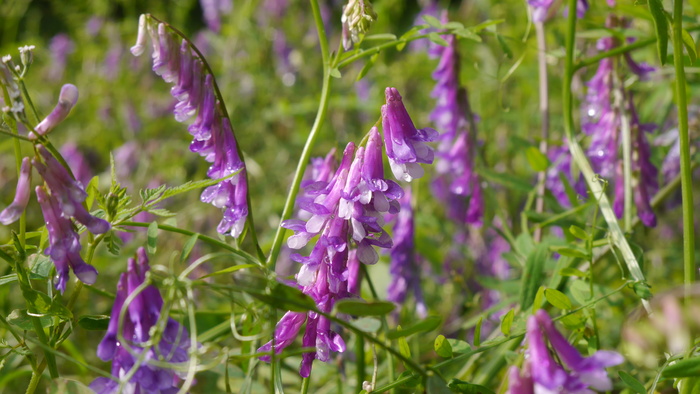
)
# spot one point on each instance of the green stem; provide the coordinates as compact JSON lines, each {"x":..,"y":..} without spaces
{"x":310,"y":141}
{"x":15,"y":136}
{"x":686,"y":175}
{"x":374,"y":50}
{"x":33,"y":383}
{"x":305,"y":385}
{"x":626,"y":156}
{"x":360,"y":364}
{"x":594,"y":184}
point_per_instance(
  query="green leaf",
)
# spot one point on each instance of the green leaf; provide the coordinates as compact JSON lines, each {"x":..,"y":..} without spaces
{"x":689,"y":45}
{"x":335,"y":73}
{"x":504,"y":46}
{"x":578,"y":232}
{"x":539,"y":298}
{"x":40,"y":266}
{"x":568,"y":271}
{"x":683,"y":369}
{"x":581,"y":291}
{"x":21,"y":319}
{"x":8,"y":279}
{"x":486,"y":23}
{"x":557,"y":299}
{"x":193,"y":185}
{"x":632,"y":382}
{"x":367,"y":324}
{"x":187,"y":249}
{"x":459,"y":346}
{"x":404,"y":349}
{"x":405,"y":36}
{"x":574,"y":321}
{"x":357,"y":307}
{"x":442,"y":347}
{"x":152,"y":237}
{"x":571,"y":251}
{"x":367,"y":66}
{"x":428,"y":324}
{"x":229,"y":270}
{"x":94,"y":322}
{"x":477,"y":332}
{"x":37,"y":301}
{"x":413,"y":379}
{"x":537,"y":160}
{"x":160,"y":212}
{"x":468,"y":34}
{"x":533,"y":275}
{"x":642,"y":289}
{"x":380,"y":37}
{"x":459,"y":386}
{"x":432,"y":21}
{"x":507,"y":322}
{"x":453,"y":25}
{"x":661,"y":26}
{"x":435,"y":37}
{"x":92,"y":191}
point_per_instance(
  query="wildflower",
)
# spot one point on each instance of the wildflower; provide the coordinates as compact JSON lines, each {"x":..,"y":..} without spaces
{"x":455,"y":156}
{"x":560,"y":158}
{"x":77,"y":162}
{"x":213,"y":10}
{"x":548,"y":375}
{"x":60,"y":47}
{"x":404,"y":269}
{"x":126,"y":348}
{"x":19,"y":204}
{"x":405,"y":145}
{"x":212,"y":132}
{"x":64,"y":244}
{"x":357,"y":17}
{"x":346,"y":207}
{"x":66,"y":100}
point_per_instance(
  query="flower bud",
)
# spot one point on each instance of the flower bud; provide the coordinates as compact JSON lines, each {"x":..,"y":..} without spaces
{"x":66,"y":100}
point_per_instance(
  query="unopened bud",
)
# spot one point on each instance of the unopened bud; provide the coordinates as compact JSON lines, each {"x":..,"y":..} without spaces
{"x":66,"y":101}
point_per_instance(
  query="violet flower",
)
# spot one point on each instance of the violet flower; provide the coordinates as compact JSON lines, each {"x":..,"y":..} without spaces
{"x":213,"y":10}
{"x":60,"y":47}
{"x":13,"y":211}
{"x":77,"y":162}
{"x":585,"y":373}
{"x":404,"y":267}
{"x":560,"y":158}
{"x":141,"y":315}
{"x":64,"y":243}
{"x":405,"y":145}
{"x":214,"y":140}
{"x":66,"y":100}
{"x":455,"y":156}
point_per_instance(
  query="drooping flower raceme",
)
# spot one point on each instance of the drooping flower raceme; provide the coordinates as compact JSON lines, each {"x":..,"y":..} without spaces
{"x":213,"y":138}
{"x":542,"y":374}
{"x":404,"y":267}
{"x":457,"y":182}
{"x":135,"y":312}
{"x":606,"y":106}
{"x":405,"y":145}
{"x":346,"y":213}
{"x":59,"y":203}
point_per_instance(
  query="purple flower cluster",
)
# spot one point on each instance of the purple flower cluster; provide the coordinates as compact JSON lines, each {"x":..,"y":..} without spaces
{"x":212,"y":133}
{"x":457,"y":181}
{"x":404,"y":268}
{"x":59,"y":203}
{"x":346,"y":212}
{"x":129,"y":332}
{"x":603,"y":116}
{"x":541,"y":373}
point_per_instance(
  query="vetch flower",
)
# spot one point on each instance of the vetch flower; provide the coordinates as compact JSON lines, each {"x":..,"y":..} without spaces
{"x":213,"y":138}
{"x":585,"y":373}
{"x":66,"y":100}
{"x":19,"y":204}
{"x":404,"y":267}
{"x":137,"y":323}
{"x":405,"y":145}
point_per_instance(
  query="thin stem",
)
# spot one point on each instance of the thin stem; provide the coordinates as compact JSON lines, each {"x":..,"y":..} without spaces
{"x":374,"y":50}
{"x":310,"y":141}
{"x":305,"y":385}
{"x":598,"y":192}
{"x":686,"y":175}
{"x":544,"y":118}
{"x":14,"y":135}
{"x":626,"y":156}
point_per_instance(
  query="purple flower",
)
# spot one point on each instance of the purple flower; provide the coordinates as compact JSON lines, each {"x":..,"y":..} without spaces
{"x":77,"y":162}
{"x":548,"y":375}
{"x":126,"y":347}
{"x":66,"y":100}
{"x":19,"y":204}
{"x":404,"y":267}
{"x":60,"y":47}
{"x":213,"y":10}
{"x":212,"y":132}
{"x":455,"y":157}
{"x":520,"y":383}
{"x":64,"y":243}
{"x":405,"y":145}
